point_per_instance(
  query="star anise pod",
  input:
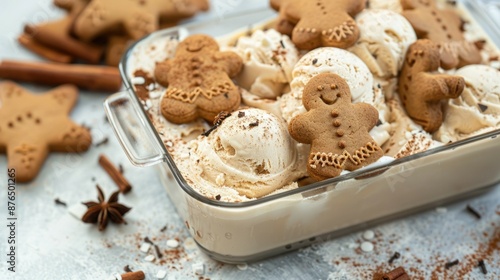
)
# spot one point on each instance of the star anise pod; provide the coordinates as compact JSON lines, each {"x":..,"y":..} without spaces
{"x":100,"y":212}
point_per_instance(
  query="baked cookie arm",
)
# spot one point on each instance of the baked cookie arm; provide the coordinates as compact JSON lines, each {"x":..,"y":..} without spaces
{"x":140,"y":24}
{"x":71,"y":138}
{"x":300,"y":129}
{"x":93,"y":21}
{"x":231,"y":62}
{"x":161,"y":72}
{"x":443,"y":87}
{"x":27,"y":159}
{"x":355,"y":7}
{"x":367,"y":112}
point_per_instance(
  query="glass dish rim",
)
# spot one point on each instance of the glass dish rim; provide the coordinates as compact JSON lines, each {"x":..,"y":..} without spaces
{"x":367,"y":171}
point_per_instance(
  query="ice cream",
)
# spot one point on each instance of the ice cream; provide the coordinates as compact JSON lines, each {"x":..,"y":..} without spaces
{"x":406,"y":137}
{"x":251,"y":152}
{"x":385,"y":37}
{"x":477,"y":110}
{"x":393,"y":5}
{"x":269,"y":58}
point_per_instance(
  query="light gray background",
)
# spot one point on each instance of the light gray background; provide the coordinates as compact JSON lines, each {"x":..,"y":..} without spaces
{"x":54,"y":245}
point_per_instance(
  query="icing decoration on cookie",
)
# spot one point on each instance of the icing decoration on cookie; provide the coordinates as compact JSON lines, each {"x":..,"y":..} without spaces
{"x":198,"y":81}
{"x":337,"y":129}
{"x":442,"y":27}
{"x":33,"y":125}
{"x":319,"y":23}
{"x":137,"y":17}
{"x":422,"y":89}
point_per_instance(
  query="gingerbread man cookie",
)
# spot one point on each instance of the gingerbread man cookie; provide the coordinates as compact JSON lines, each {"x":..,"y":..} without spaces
{"x":199,"y":81}
{"x":422,"y":89}
{"x":337,"y":130}
{"x":137,"y":17}
{"x":442,"y":27}
{"x":32,"y":125}
{"x":319,"y":23}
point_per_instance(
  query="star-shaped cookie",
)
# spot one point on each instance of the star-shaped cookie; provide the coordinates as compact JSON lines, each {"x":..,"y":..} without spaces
{"x":32,"y":125}
{"x":137,"y":17}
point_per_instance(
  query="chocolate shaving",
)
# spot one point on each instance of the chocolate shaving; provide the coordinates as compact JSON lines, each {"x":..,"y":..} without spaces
{"x":102,"y":142}
{"x":120,"y":168}
{"x":60,"y":202}
{"x":450,"y":264}
{"x":147,"y":240}
{"x":217,"y":197}
{"x":379,"y":86}
{"x":163,"y":229}
{"x":452,"y":2}
{"x":394,"y":257}
{"x":482,"y":107}
{"x":241,"y":114}
{"x":473,"y":211}
{"x":379,"y":122}
{"x":217,"y":122}
{"x":254,"y":124}
{"x":127,"y":268}
{"x":482,"y":266}
{"x":314,"y":61}
{"x":282,"y":44}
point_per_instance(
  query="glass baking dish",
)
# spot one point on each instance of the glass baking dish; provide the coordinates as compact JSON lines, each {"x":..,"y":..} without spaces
{"x":252,"y":230}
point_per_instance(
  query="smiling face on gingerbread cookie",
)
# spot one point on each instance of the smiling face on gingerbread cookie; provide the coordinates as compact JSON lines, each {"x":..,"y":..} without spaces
{"x":326,"y":95}
{"x":197,"y":44}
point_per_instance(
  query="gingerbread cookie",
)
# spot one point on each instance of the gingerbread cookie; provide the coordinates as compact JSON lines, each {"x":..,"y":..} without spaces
{"x":337,"y":130}
{"x":422,"y":89}
{"x":32,"y":125}
{"x":57,"y":35}
{"x":137,"y":17}
{"x":442,"y":27}
{"x":319,"y":23}
{"x":199,"y":81}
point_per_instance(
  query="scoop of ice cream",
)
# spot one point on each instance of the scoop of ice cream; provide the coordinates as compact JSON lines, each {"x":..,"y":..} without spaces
{"x":327,"y":60}
{"x":477,"y":110}
{"x":393,"y":5}
{"x":269,"y":58}
{"x":406,"y":137}
{"x":384,"y":39}
{"x":250,"y":151}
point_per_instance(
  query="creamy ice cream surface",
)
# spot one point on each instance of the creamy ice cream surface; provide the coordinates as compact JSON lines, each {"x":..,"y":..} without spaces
{"x":477,"y":110}
{"x":251,"y":152}
{"x":269,"y":58}
{"x":385,"y":36}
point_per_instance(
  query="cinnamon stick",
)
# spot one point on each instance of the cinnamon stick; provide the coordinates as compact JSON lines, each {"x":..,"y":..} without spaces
{"x":136,"y":275}
{"x":115,"y":174}
{"x":396,"y":274}
{"x":100,"y":78}
{"x":29,"y":43}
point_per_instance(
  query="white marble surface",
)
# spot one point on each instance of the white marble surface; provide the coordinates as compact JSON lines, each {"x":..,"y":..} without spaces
{"x":52,"y":244}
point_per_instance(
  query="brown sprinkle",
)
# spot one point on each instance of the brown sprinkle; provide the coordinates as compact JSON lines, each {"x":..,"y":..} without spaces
{"x":254,"y":124}
{"x":394,"y":257}
{"x":450,"y":264}
{"x":473,"y":211}
{"x":127,"y":268}
{"x":115,"y":174}
{"x":217,"y":197}
{"x":241,"y":114}
{"x":60,"y":202}
{"x":482,"y":265}
{"x":102,"y":142}
{"x":163,"y":229}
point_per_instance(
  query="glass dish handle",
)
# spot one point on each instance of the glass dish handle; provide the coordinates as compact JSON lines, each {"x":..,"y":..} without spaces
{"x":133,"y":130}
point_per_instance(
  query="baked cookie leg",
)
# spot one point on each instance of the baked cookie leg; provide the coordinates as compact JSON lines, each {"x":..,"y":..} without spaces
{"x":27,"y":159}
